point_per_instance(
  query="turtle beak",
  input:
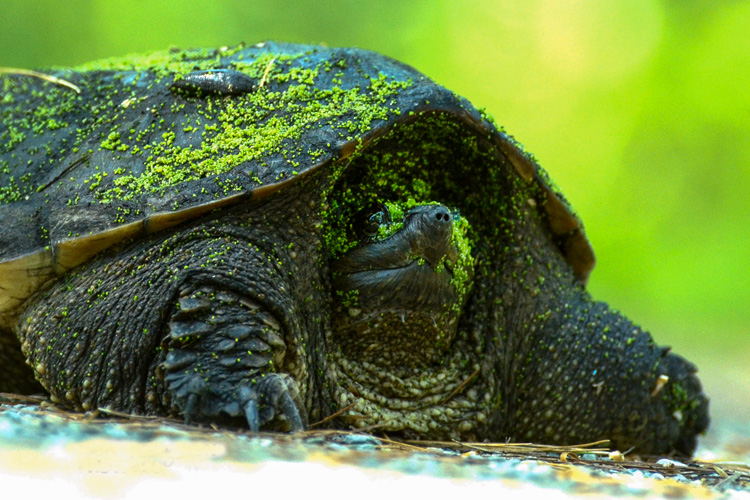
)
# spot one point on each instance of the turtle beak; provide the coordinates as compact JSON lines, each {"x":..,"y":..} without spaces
{"x":426,"y":235}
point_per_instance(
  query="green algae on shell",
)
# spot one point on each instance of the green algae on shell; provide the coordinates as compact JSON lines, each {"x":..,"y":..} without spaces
{"x":127,"y":157}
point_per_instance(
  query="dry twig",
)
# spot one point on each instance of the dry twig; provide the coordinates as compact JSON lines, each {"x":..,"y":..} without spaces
{"x":36,"y":74}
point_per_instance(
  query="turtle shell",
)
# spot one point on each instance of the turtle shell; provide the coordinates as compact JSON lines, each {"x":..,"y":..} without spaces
{"x":120,"y":148}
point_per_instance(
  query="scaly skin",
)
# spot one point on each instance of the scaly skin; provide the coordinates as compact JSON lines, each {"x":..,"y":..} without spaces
{"x":234,"y":300}
{"x":15,"y":376}
{"x":211,"y":310}
{"x":545,"y":363}
{"x":179,"y":248}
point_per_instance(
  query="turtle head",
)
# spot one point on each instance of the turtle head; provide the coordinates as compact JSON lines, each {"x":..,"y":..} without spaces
{"x":399,"y":294}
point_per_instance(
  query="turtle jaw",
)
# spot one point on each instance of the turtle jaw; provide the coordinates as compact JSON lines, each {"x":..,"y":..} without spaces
{"x":409,"y":270}
{"x":425,"y":236}
{"x":410,"y":289}
{"x":396,"y":300}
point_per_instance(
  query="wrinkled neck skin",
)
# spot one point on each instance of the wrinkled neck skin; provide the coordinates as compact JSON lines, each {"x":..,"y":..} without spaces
{"x":562,"y":368}
{"x":530,"y":357}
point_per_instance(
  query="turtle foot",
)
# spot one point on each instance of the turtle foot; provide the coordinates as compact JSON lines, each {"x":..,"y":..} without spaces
{"x":270,"y":401}
{"x":220,"y":362}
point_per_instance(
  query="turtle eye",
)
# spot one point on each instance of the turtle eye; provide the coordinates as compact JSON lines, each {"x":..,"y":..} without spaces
{"x":371,"y":220}
{"x":374,"y":221}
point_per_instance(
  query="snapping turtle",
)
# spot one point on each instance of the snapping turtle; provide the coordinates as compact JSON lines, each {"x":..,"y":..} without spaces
{"x":271,"y":235}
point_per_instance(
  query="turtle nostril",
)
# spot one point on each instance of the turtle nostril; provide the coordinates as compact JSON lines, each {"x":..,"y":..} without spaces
{"x":443,"y":216}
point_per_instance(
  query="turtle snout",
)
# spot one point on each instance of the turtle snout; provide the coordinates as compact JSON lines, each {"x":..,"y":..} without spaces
{"x":443,"y":216}
{"x":431,"y":227}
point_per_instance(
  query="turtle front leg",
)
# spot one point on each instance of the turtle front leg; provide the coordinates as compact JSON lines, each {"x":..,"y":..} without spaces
{"x":220,"y":357}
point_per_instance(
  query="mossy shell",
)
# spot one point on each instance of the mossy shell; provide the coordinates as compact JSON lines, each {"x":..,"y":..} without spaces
{"x":132,"y":154}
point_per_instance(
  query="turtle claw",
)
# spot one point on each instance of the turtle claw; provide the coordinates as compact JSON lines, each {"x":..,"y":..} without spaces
{"x":275,"y":395}
{"x":292,"y":414}
{"x":189,"y":393}
{"x":250,"y":407}
{"x":190,"y":405}
{"x":269,"y":401}
{"x":251,"y":415}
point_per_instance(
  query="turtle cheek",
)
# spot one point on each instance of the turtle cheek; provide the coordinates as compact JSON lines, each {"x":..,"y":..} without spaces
{"x":415,"y":287}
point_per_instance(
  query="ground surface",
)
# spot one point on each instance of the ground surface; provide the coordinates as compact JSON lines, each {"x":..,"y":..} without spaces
{"x":44,"y":449}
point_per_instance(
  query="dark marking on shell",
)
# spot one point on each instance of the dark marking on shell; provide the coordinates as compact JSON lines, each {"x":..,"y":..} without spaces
{"x":214,"y":81}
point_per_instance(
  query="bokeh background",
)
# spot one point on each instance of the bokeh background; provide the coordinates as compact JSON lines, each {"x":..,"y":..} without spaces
{"x":639,"y":109}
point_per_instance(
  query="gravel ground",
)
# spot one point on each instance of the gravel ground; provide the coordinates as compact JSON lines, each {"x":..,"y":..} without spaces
{"x":43,"y":449}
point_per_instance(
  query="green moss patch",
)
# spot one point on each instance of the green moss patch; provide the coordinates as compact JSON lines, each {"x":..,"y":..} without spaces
{"x":139,"y":138}
{"x":255,"y":126}
{"x":435,"y":159}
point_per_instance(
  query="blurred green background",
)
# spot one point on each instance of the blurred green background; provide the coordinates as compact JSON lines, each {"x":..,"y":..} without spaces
{"x":639,"y":109}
